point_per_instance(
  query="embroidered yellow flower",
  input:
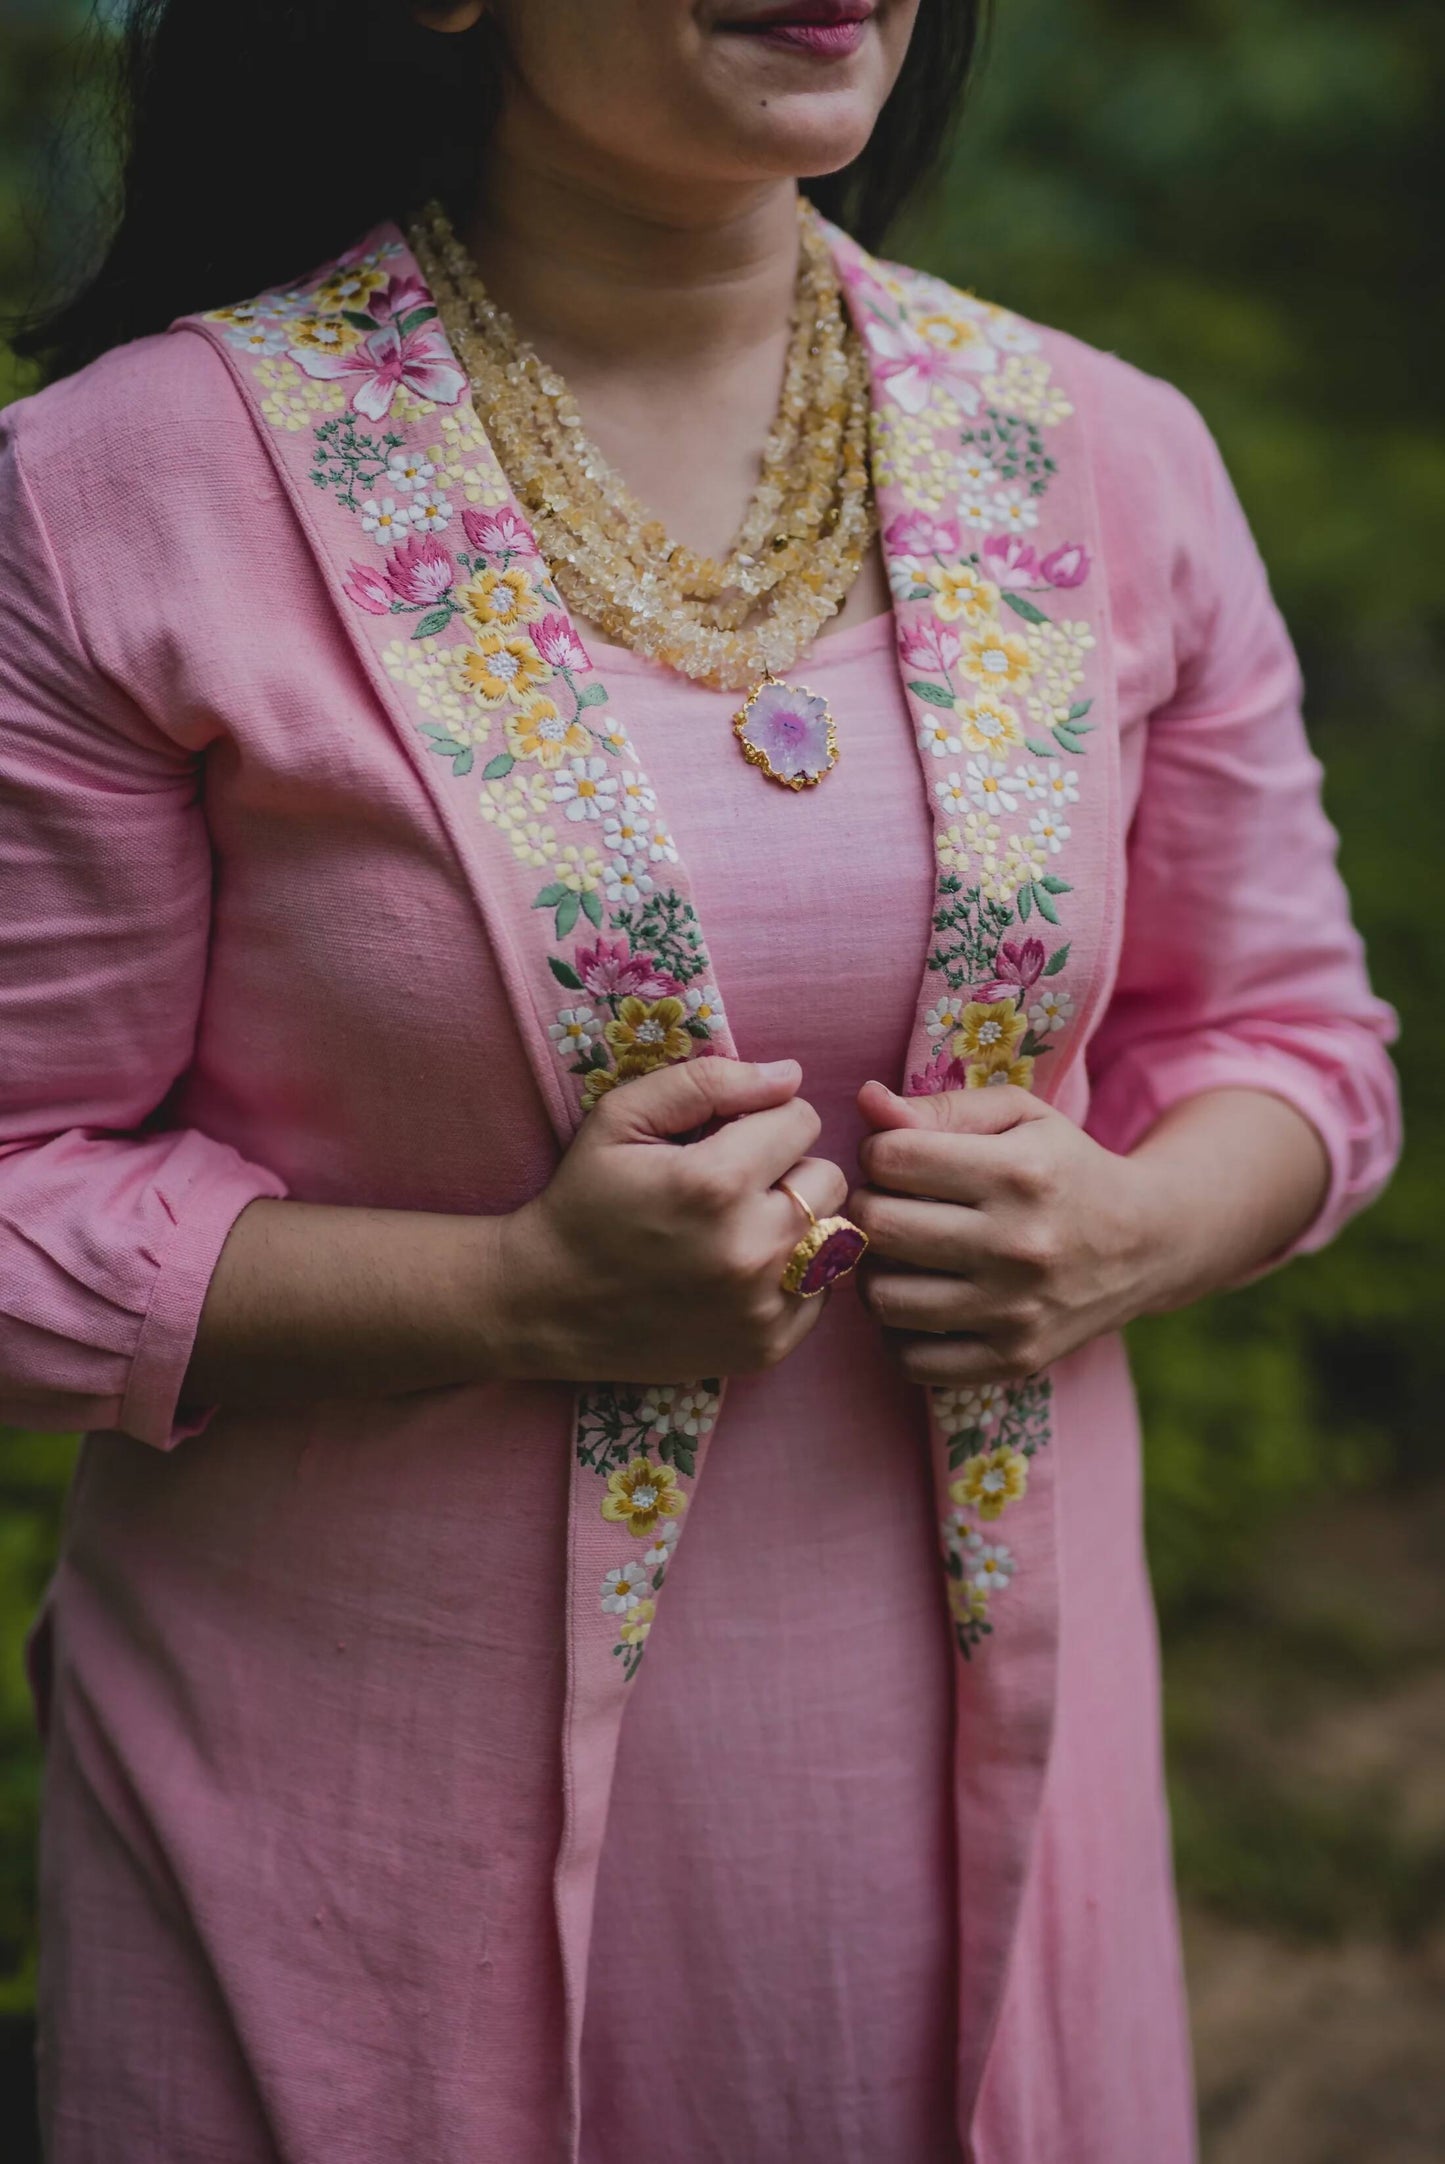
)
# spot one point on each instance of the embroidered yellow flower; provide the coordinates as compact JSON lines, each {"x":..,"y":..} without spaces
{"x":350,"y":288}
{"x":500,"y":668}
{"x":991,"y":1481}
{"x":500,"y":600}
{"x":637,"y":1623}
{"x":581,"y":869}
{"x":996,"y":658}
{"x":641,"y":1495}
{"x":996,"y":1068}
{"x":989,"y":1026}
{"x":537,"y":731}
{"x":955,"y":333}
{"x":964,"y":593}
{"x":985,"y":723}
{"x":648,"y":1033}
{"x":324,"y":334}
{"x":967,"y":1601}
{"x":599,"y":1081}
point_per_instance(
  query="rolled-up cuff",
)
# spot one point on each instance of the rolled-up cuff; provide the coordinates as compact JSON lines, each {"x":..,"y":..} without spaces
{"x":202,"y":1218}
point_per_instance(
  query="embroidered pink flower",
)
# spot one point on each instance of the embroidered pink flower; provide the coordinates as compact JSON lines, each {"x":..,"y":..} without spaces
{"x":398,"y":297}
{"x":943,"y":1072}
{"x":558,"y":644}
{"x":368,"y":589}
{"x":498,"y":533}
{"x":1066,"y":566}
{"x":610,"y":970}
{"x":909,"y":367}
{"x":929,"y":644}
{"x":1020,"y":965}
{"x":420,"y":571}
{"x":384,"y":362}
{"x":914,"y":533}
{"x":1010,"y":562}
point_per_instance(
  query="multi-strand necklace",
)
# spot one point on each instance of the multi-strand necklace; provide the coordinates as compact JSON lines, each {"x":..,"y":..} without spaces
{"x":735,"y":625}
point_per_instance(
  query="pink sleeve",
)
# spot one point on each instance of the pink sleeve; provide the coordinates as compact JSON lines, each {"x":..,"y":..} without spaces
{"x":1240,"y":965}
{"x":110,"y":1221}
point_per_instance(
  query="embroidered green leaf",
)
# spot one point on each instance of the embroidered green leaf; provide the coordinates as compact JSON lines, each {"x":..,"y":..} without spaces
{"x":1022,"y":606}
{"x":1039,"y":749}
{"x":918,"y":593}
{"x":592,"y":695}
{"x":935,"y":694}
{"x":439,"y":740}
{"x":462,"y":763}
{"x":1026,"y":903}
{"x":1057,"y":960}
{"x":1032,"y":1046}
{"x":1055,"y":885}
{"x":550,"y":896}
{"x":1067,"y":739}
{"x":592,"y":906}
{"x":564,"y":973}
{"x":681,"y":1451}
{"x":435,"y":620}
{"x":1077,"y":713}
{"x":1044,"y":905}
{"x":966,"y":1445}
{"x":414,"y":319}
{"x":567,"y":910}
{"x":357,"y":320}
{"x":497,"y":769}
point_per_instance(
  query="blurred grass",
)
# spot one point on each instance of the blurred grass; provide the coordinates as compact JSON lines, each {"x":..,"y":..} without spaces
{"x":1235,"y":194}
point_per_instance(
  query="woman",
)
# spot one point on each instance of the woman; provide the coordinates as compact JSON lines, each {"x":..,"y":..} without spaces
{"x":391,"y":808}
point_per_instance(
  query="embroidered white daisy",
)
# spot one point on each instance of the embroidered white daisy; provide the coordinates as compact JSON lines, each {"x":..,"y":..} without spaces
{"x":625,"y":880}
{"x":1051,"y":830}
{"x":407,"y":470}
{"x":694,"y":1411}
{"x":1051,"y":1010}
{"x":624,"y":1587}
{"x":942,"y":1021}
{"x":1014,"y":508}
{"x":430,"y":511}
{"x":703,"y":1005}
{"x":975,"y":508}
{"x":575,"y":1029}
{"x":260,"y":340}
{"x":979,"y":477}
{"x":635,"y":793}
{"x":660,"y":845}
{"x":656,"y":1408}
{"x":905,"y":575}
{"x":952,"y":794}
{"x":936,"y":735}
{"x":1011,"y":336}
{"x":989,"y":784}
{"x":1062,"y":783}
{"x":1032,"y":784}
{"x":624,"y":836}
{"x":586,"y":790}
{"x":386,"y":521}
{"x":659,"y":1555}
{"x":987,"y":1564}
{"x":978,"y":1407}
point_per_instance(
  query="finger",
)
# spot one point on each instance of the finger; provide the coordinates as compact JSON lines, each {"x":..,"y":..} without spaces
{"x":950,"y":1362}
{"x":755,"y":1151}
{"x":673,"y":1100}
{"x":990,"y":1111}
{"x":915,"y":1301}
{"x":929,"y":1235}
{"x":948,"y":1168}
{"x":819,"y":1183}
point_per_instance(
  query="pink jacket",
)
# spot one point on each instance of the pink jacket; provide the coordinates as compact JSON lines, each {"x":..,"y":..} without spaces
{"x":276,"y":924}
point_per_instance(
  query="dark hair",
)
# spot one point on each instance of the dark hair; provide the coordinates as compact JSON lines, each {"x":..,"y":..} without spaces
{"x":199,"y":223}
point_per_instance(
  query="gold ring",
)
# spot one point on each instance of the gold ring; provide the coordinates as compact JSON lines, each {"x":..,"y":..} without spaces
{"x":830,"y":1249}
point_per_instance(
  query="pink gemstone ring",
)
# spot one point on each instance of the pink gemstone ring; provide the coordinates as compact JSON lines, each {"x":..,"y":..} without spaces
{"x":829,"y":1249}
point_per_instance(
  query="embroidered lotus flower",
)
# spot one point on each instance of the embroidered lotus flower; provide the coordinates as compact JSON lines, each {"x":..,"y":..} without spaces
{"x":1020,"y":964}
{"x":989,"y":1026}
{"x":368,"y":589}
{"x":910,"y":368}
{"x":991,"y":1481}
{"x":559,"y":645}
{"x":996,"y":658}
{"x":610,"y":970}
{"x":641,"y":1495}
{"x":648,"y":1033}
{"x":499,"y":533}
{"x":790,"y":732}
{"x":500,"y":668}
{"x":400,"y":296}
{"x":961,"y":335}
{"x":420,"y":571}
{"x":1066,"y":566}
{"x":500,"y":600}
{"x":943,"y":1072}
{"x":929,"y":644}
{"x":964,"y":593}
{"x":914,"y":533}
{"x":1010,"y":562}
{"x":388,"y":360}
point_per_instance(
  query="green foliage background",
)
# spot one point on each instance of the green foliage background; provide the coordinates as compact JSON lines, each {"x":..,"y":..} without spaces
{"x":1236,"y":194}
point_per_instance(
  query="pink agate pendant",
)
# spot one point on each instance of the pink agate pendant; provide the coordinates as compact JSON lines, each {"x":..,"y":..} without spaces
{"x":788,"y":732}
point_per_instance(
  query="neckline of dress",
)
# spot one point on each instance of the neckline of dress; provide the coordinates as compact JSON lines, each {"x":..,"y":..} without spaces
{"x":875,"y":632}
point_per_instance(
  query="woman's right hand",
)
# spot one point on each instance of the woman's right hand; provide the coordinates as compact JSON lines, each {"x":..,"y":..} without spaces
{"x":652,"y":1259}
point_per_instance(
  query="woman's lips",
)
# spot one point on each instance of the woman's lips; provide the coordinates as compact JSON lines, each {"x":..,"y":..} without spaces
{"x":829,"y":32}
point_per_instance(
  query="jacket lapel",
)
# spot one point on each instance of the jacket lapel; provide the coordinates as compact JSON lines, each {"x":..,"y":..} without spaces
{"x":567,"y":856}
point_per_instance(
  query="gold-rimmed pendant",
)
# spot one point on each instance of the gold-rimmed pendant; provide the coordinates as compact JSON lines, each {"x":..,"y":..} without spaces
{"x":788,"y":732}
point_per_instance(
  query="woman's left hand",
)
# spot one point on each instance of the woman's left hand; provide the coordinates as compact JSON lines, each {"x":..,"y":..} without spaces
{"x":1001,"y":1235}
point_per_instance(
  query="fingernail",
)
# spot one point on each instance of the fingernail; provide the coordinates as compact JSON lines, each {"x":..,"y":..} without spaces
{"x":778,"y":1070}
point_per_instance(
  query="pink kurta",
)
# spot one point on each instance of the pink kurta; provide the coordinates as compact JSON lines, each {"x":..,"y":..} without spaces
{"x":331,"y":1702}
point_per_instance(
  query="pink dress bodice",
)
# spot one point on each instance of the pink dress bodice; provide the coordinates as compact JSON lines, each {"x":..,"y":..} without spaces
{"x":791,"y":1984}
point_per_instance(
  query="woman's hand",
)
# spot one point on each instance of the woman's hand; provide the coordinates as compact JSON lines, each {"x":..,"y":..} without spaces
{"x":1002,"y":1235}
{"x":653,"y":1259}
